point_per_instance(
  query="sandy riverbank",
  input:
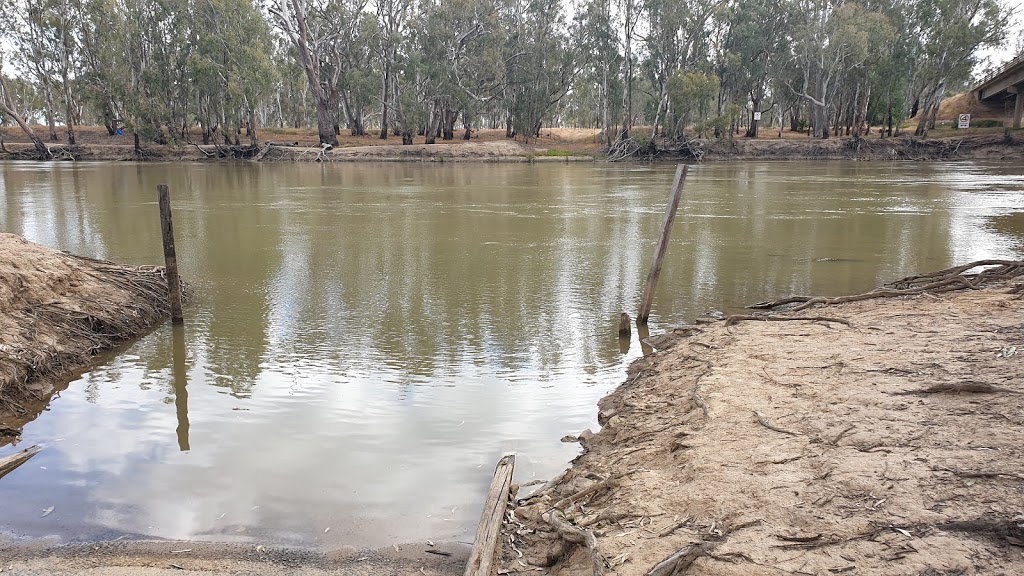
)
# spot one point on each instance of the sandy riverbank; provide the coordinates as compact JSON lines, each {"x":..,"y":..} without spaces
{"x":884,"y":437}
{"x":57,"y":311}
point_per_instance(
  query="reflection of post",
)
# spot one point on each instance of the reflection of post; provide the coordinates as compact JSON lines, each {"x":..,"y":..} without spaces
{"x":180,"y":385}
{"x":170,"y":258}
{"x":643,"y":333}
{"x":659,"y":252}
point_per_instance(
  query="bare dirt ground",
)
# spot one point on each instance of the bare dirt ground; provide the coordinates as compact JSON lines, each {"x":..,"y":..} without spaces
{"x":57,"y":311}
{"x":184,"y":558}
{"x":885,"y":438}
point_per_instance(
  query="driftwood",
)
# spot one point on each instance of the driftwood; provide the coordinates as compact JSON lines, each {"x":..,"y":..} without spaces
{"x":571,"y":533}
{"x":736,"y":318}
{"x":677,"y":563}
{"x":948,"y":280}
{"x":482,"y":555}
{"x":605,"y":484}
{"x":9,"y":463}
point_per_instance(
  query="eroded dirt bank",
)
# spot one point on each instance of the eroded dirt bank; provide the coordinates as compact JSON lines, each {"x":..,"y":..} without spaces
{"x":57,"y":311}
{"x":554,"y":145}
{"x":886,"y":438}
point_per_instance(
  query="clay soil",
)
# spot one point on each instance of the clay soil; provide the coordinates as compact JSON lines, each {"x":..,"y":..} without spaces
{"x":891,"y":445}
{"x":57,"y":311}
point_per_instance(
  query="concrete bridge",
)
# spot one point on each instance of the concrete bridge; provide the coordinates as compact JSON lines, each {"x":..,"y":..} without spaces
{"x":1003,"y":84}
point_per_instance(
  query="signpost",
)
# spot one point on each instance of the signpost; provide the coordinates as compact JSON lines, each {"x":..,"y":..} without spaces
{"x":964,"y":121}
{"x":757,"y":116}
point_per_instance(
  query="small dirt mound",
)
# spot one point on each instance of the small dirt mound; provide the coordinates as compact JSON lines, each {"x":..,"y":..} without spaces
{"x":57,"y":310}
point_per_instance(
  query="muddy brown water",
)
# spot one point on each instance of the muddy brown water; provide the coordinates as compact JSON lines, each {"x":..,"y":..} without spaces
{"x":369,"y":339}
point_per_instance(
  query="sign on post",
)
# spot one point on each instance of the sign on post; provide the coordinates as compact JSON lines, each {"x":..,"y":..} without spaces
{"x":964,"y":121}
{"x":757,"y":115}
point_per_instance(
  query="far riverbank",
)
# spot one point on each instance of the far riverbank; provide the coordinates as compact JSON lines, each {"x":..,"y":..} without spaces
{"x":554,"y":145}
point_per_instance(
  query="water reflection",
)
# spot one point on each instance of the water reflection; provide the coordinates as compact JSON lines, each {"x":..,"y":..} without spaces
{"x":367,"y":340}
{"x":180,"y":386}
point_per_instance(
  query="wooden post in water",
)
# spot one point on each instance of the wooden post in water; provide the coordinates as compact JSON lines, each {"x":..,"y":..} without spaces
{"x":482,"y":555}
{"x":659,"y":252}
{"x":170,"y":259}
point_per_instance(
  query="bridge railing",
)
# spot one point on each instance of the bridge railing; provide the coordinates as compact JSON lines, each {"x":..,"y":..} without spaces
{"x":1011,"y":64}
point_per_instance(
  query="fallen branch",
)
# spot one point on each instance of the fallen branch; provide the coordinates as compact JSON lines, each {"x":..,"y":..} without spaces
{"x":735,"y":318}
{"x":571,"y":533}
{"x":677,"y":563}
{"x":10,"y":463}
{"x":948,"y":280}
{"x":605,"y":484}
{"x":770,"y":426}
{"x":673,"y":527}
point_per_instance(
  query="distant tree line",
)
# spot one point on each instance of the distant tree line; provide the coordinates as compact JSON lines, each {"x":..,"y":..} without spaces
{"x":225,"y":68}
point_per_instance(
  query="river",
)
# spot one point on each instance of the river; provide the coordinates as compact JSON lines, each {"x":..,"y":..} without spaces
{"x":368,"y":339}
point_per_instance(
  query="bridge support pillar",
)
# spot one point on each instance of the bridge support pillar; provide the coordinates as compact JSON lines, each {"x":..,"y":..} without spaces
{"x":1018,"y":107}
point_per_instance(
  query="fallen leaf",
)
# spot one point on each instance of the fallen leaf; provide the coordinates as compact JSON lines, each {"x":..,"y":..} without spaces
{"x":326,"y":530}
{"x":46,"y":512}
{"x":180,"y":551}
{"x":429,"y":543}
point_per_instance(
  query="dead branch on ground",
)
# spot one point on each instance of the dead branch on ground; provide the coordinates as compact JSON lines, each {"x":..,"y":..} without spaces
{"x":677,"y":563}
{"x":736,"y":318}
{"x":948,"y":280}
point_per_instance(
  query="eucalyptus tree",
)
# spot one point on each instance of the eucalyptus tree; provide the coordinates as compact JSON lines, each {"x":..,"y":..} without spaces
{"x":318,"y":31}
{"x":230,"y":67}
{"x":676,"y":38}
{"x":830,"y":40}
{"x":755,"y":49}
{"x":9,"y":109}
{"x":950,"y":32}
{"x":392,"y":20}
{"x":595,"y":34}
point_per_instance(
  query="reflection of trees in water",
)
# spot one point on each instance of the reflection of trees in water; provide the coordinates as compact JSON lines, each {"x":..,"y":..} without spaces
{"x":240,"y":240}
{"x":1010,"y":226}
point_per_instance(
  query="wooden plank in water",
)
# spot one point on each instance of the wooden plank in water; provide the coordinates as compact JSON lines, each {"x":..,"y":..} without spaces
{"x":486,"y":540}
{"x":9,"y":463}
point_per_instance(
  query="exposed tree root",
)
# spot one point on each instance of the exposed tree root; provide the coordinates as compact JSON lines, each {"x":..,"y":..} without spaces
{"x":677,"y":563}
{"x":736,"y":318}
{"x":571,"y":533}
{"x":948,"y":280}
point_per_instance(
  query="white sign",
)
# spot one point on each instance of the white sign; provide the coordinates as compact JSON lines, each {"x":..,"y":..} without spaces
{"x":757,"y":116}
{"x":964,"y":121}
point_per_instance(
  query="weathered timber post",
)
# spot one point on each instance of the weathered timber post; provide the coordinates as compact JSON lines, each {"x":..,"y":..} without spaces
{"x":482,"y":555}
{"x":624,"y":328}
{"x":170,"y":259}
{"x":659,"y":252}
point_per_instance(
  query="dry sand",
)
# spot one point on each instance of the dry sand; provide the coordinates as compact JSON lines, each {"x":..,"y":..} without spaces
{"x":894,"y":445}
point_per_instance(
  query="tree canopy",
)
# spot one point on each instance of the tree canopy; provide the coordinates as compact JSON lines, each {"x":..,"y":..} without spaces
{"x":161,"y":68}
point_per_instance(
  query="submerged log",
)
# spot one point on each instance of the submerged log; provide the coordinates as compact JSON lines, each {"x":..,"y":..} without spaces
{"x":9,"y":463}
